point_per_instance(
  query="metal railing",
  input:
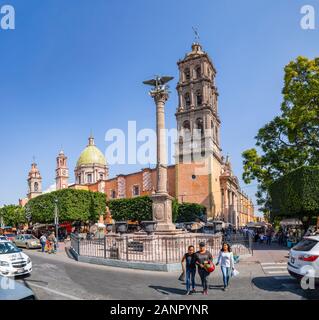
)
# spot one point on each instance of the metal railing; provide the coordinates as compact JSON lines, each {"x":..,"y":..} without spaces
{"x":153,"y":248}
{"x":161,"y":249}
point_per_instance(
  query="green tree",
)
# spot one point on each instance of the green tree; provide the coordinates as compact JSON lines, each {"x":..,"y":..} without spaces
{"x":290,"y":140}
{"x":73,"y":205}
{"x":13,"y":215}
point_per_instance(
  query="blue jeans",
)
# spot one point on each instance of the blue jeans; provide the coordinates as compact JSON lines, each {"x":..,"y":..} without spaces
{"x":226,"y":275}
{"x":42,"y":246}
{"x":190,"y":278}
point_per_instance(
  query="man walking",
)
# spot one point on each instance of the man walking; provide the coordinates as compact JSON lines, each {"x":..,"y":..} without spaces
{"x":43,"y":241}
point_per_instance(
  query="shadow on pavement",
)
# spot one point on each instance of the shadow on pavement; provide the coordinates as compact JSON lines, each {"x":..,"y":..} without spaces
{"x":167,"y":290}
{"x":284,"y":284}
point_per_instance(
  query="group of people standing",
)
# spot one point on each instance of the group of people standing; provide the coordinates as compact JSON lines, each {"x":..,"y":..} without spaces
{"x":48,"y":243}
{"x":203,"y":260}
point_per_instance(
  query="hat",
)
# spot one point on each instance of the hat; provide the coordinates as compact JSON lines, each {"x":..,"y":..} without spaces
{"x":202,"y":244}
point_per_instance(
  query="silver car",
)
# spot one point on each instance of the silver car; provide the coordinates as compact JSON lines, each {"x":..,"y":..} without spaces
{"x":28,"y":241}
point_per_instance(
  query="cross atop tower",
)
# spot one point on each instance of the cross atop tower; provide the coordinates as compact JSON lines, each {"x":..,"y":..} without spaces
{"x":197,"y":37}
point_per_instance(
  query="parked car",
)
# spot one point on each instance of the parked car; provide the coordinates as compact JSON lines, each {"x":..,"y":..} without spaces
{"x":13,"y":290}
{"x":28,"y":241}
{"x":13,"y":261}
{"x":10,"y":236}
{"x":2,"y":237}
{"x":303,"y":257}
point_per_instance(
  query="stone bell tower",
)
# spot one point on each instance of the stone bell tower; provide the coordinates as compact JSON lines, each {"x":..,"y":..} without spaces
{"x":62,"y":172}
{"x":34,"y":182}
{"x":198,"y":151}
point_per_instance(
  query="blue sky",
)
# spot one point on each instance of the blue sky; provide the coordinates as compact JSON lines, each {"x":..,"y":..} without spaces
{"x":76,"y":65}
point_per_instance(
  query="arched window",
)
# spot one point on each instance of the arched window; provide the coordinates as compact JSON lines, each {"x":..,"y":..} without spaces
{"x":187,"y":74}
{"x":199,"y":98}
{"x":187,"y":101}
{"x":186,"y":125}
{"x":200,"y":127}
{"x":36,"y":187}
{"x":198,"y":72}
{"x":180,"y":149}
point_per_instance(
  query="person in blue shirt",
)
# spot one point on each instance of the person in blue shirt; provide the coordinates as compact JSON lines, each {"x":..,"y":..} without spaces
{"x":190,"y":270}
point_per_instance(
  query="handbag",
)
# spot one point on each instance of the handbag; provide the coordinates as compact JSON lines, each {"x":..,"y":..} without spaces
{"x":182,"y":277}
{"x":234,"y":273}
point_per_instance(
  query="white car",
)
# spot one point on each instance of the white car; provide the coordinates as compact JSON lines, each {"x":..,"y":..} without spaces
{"x":304,"y":258}
{"x":13,"y":262}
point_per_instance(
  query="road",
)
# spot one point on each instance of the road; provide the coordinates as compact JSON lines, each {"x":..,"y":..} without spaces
{"x":58,"y":277}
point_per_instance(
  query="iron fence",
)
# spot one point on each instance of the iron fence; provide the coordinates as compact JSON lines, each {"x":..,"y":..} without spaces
{"x":151,"y":248}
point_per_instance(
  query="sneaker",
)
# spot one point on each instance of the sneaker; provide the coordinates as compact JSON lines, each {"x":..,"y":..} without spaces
{"x":188,"y":293}
{"x":206,"y":293}
{"x":193,"y":291}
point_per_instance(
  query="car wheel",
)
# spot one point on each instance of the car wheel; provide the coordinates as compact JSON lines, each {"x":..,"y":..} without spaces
{"x":27,"y":246}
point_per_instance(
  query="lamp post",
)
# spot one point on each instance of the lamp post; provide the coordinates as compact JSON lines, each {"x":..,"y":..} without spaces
{"x":56,"y":222}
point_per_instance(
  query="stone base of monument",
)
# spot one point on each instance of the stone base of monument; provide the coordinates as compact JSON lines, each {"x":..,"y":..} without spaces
{"x":162,"y":214}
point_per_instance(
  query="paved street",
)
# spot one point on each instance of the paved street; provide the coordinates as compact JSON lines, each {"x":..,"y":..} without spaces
{"x":60,"y":277}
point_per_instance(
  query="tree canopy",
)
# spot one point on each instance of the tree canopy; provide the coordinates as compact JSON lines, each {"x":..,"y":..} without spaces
{"x":73,"y":205}
{"x":291,"y":139}
{"x":13,"y":215}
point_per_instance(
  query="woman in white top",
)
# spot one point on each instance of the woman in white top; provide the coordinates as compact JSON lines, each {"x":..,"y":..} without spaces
{"x":226,"y":261}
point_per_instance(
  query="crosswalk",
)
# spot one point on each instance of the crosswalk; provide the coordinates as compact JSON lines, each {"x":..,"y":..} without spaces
{"x":275,"y":268}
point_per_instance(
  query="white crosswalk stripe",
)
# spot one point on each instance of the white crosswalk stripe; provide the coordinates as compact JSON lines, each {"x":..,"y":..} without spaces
{"x":274,"y":268}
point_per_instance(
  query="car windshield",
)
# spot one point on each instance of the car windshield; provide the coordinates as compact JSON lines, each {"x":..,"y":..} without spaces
{"x":305,"y":245}
{"x":8,"y":247}
{"x":29,"y":237}
{"x":10,"y":235}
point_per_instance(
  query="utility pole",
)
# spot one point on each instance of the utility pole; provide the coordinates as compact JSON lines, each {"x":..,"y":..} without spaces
{"x":56,"y":222}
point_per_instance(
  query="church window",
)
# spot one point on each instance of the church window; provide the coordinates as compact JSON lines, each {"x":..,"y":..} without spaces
{"x":136,"y":191}
{"x":113,"y":194}
{"x":187,"y":100}
{"x":187,"y":74}
{"x":199,"y":98}
{"x":198,"y":72}
{"x":89,"y":177}
{"x":101,"y":176}
{"x":36,"y":187}
{"x":180,"y":149}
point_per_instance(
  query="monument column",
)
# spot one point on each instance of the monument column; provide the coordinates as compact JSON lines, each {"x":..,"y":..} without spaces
{"x":162,"y":201}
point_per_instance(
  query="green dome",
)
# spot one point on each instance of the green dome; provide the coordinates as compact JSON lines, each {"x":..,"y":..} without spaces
{"x":91,"y":155}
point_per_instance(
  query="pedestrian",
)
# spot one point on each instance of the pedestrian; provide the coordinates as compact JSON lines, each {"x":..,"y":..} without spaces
{"x":226,"y":261}
{"x":269,"y":236}
{"x":52,"y":241}
{"x":203,"y":257}
{"x":190,"y":270}
{"x":43,"y":241}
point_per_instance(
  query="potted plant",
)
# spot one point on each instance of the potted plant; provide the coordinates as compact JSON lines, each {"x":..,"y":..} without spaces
{"x":109,"y":227}
{"x":149,"y":226}
{"x":121,"y":227}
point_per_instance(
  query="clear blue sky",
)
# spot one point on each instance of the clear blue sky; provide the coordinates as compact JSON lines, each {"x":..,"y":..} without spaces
{"x":76,"y":65}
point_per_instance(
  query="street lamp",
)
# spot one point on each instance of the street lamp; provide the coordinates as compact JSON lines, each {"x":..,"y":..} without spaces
{"x":56,"y":221}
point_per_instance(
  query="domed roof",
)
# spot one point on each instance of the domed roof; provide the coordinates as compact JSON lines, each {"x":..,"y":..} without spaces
{"x":91,"y":155}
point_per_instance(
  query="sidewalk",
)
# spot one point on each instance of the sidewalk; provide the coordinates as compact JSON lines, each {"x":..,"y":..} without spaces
{"x":264,"y":253}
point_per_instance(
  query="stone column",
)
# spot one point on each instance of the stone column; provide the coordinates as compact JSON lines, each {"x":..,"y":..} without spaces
{"x":162,"y":201}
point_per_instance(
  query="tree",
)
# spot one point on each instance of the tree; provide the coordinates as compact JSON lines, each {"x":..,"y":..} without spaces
{"x":73,"y":205}
{"x":290,"y":140}
{"x":13,"y":215}
{"x":296,"y":194}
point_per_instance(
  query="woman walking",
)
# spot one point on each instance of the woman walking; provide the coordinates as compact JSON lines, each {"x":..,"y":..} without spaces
{"x":226,"y":261}
{"x":203,"y":257}
{"x":190,"y":270}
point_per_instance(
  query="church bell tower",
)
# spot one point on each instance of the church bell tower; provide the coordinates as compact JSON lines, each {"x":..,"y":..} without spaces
{"x":34,"y":182}
{"x":198,"y":151}
{"x":62,"y":172}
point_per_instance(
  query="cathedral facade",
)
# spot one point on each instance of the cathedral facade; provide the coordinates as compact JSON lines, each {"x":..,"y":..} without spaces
{"x":200,"y":175}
